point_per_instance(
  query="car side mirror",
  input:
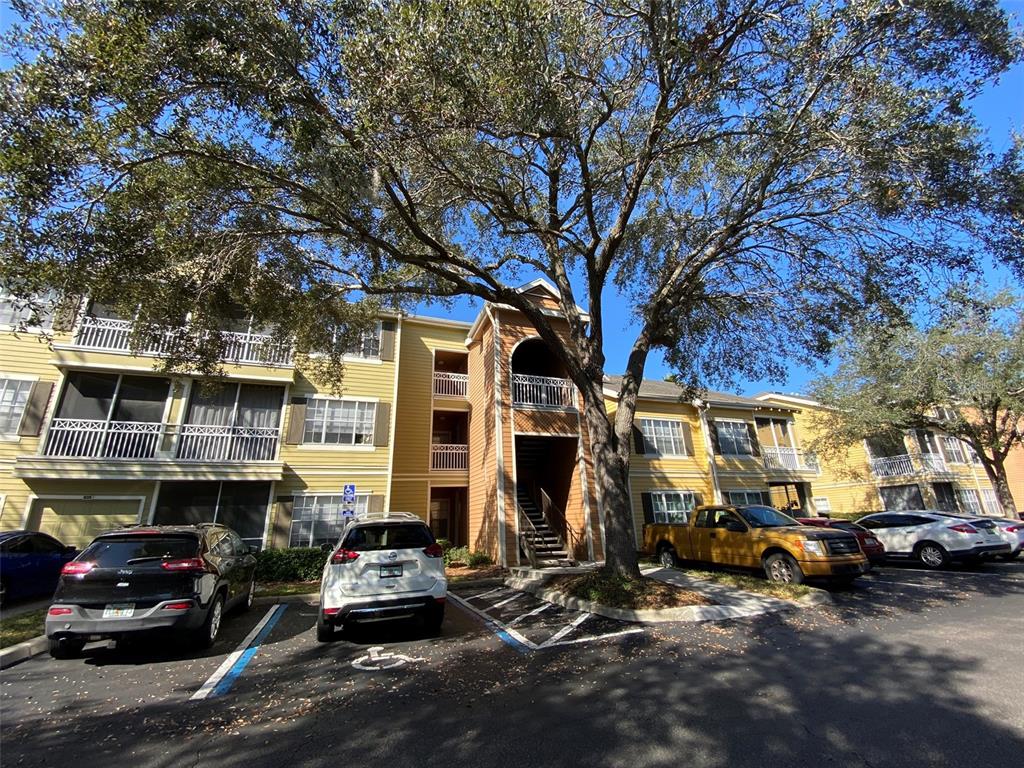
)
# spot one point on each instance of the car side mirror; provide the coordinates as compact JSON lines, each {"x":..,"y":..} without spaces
{"x":735,"y":526}
{"x":69,"y":550}
{"x":326,"y":548}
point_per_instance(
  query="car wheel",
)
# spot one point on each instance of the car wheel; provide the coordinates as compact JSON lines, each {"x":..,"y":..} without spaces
{"x":324,"y":631}
{"x":433,"y":619}
{"x":783,"y":569}
{"x":65,"y":647}
{"x":250,"y":596}
{"x":667,"y":556}
{"x":206,"y":636}
{"x":932,"y":555}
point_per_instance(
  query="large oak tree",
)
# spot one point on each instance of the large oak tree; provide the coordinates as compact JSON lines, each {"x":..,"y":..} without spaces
{"x":744,"y":174}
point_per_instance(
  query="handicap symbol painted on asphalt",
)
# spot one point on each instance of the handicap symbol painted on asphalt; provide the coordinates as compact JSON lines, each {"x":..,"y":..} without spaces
{"x":375,"y":660}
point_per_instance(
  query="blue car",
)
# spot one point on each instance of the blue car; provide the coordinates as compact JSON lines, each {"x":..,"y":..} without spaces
{"x":30,"y":564}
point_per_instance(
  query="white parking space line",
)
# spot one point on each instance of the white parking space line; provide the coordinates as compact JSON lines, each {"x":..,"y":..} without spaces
{"x":566,"y":630}
{"x":906,"y":584}
{"x":507,"y":600}
{"x":527,"y":615}
{"x":211,"y":684}
{"x":504,"y":633}
{"x":496,"y":591}
{"x":578,"y":640}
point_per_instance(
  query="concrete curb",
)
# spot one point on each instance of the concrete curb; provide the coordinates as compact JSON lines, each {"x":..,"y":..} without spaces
{"x":17,"y":653}
{"x":492,"y":581}
{"x":273,"y":599}
{"x":688,"y":613}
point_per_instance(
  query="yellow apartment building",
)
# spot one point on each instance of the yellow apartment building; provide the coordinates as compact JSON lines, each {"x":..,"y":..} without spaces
{"x":472,"y":426}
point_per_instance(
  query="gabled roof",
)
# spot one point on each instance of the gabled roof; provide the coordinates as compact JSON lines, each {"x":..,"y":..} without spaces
{"x":790,"y":399}
{"x":654,"y":389}
{"x":538,"y":286}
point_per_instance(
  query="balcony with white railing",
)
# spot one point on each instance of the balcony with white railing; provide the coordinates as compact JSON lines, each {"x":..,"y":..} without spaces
{"x":909,"y":464}
{"x":202,"y":442}
{"x":449,"y":457}
{"x":542,"y":391}
{"x":451,"y":384}
{"x":138,"y":440}
{"x":108,"y":334}
{"x":788,"y":459}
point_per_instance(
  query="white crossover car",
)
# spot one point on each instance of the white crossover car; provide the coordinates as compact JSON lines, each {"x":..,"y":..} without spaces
{"x":385,"y":566}
{"x":935,"y":538}
{"x":1012,"y":532}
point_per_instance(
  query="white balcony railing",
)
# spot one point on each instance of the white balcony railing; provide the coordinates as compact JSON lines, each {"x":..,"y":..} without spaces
{"x":201,"y":442}
{"x":100,"y":439}
{"x":908,"y":464}
{"x":451,"y":384}
{"x":115,"y":335}
{"x":542,"y":390}
{"x":448,"y":456}
{"x":788,"y":459}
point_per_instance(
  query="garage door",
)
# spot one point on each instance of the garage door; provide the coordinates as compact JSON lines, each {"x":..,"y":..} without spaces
{"x":78,"y":521}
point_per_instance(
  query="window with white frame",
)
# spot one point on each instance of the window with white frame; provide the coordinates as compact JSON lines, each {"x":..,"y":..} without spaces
{"x":663,"y":437}
{"x":733,"y":438}
{"x":13,"y":397}
{"x":954,"y":450}
{"x":319,"y":518}
{"x":339,"y":422}
{"x":672,"y":506}
{"x":969,"y":502}
{"x":990,"y":500}
{"x":822,"y":505}
{"x":368,"y":345}
{"x":745,"y":498}
{"x":14,"y":312}
{"x":972,"y":455}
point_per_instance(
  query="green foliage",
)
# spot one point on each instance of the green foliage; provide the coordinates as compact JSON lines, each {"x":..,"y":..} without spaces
{"x":292,"y":564}
{"x":961,"y":373}
{"x":465,"y":556}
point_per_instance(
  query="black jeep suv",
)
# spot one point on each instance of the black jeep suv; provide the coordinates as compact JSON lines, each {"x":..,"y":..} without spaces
{"x":174,"y":577}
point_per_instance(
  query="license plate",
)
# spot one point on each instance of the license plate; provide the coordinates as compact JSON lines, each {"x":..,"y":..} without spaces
{"x":119,"y":611}
{"x":390,"y":571}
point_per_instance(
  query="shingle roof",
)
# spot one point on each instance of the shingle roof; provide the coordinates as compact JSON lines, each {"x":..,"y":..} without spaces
{"x":664,"y":390}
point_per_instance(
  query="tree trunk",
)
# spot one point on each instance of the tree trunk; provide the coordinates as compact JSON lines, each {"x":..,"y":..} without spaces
{"x":611,"y":470}
{"x":996,"y":471}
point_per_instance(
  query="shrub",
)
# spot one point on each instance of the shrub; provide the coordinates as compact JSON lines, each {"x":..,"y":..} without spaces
{"x":445,"y":544}
{"x":478,"y":558}
{"x":458,"y":555}
{"x":292,"y":564}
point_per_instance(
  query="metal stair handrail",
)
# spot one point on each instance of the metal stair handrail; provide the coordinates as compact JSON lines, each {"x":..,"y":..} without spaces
{"x":568,"y":538}
{"x":525,"y":542}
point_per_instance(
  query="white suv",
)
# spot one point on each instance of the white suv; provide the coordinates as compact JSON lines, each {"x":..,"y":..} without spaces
{"x":935,"y":538}
{"x":384,"y":566}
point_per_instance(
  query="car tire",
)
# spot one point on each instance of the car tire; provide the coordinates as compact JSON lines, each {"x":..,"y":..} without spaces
{"x":931,"y":555}
{"x":433,"y":619}
{"x":250,"y":596}
{"x":206,"y":635}
{"x":781,"y":568}
{"x":667,"y":556}
{"x":324,"y":631}
{"x":65,"y":647}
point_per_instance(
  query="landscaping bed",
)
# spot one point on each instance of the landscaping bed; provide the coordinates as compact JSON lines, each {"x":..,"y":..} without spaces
{"x":629,"y":594}
{"x":749,"y":583}
{"x":21,"y":628}
{"x":284,"y":588}
{"x":457,"y":573}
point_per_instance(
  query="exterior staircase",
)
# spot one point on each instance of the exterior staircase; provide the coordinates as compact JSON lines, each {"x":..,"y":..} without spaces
{"x":547,"y":545}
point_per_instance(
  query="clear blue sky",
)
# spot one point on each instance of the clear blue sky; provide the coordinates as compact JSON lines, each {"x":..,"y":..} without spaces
{"x":1000,"y":108}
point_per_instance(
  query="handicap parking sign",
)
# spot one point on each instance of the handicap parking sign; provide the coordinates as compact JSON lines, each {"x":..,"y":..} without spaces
{"x":348,"y":493}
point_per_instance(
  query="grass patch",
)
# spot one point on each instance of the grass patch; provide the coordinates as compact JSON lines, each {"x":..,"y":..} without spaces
{"x":21,"y":628}
{"x":283,"y":588}
{"x":619,"y":592}
{"x":750,"y":583}
{"x":457,"y":573}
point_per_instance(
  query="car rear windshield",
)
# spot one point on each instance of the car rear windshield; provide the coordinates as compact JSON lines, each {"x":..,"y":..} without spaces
{"x":367,"y":538}
{"x":114,"y":552}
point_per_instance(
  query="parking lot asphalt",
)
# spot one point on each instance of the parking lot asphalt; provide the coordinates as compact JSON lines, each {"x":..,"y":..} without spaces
{"x":907,"y":667}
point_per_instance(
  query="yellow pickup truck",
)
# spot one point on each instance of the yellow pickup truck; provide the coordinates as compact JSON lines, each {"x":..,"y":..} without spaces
{"x":756,"y":537}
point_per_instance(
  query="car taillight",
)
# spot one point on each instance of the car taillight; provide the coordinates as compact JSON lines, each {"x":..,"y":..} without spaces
{"x":344,"y":556}
{"x":434,"y":550}
{"x":1015,"y":528}
{"x":77,"y":568}
{"x":183,"y":606}
{"x":59,"y":612}
{"x":188,"y":564}
{"x":963,"y":528}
